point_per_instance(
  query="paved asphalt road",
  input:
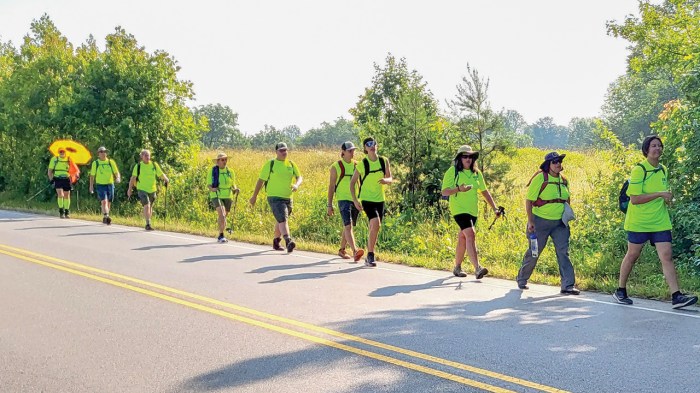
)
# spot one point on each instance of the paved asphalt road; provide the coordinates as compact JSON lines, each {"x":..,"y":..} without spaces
{"x":90,"y":308}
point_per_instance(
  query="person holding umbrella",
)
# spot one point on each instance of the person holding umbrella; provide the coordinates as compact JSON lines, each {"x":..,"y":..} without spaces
{"x":104,"y":172}
{"x":143,"y":177}
{"x":462,"y":183}
{"x":59,"y":168}
{"x":222,"y":185}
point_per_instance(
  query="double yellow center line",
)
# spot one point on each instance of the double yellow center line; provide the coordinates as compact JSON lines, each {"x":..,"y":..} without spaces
{"x":224,"y":309}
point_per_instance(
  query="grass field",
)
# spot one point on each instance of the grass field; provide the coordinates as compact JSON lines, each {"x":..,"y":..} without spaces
{"x":423,"y":238}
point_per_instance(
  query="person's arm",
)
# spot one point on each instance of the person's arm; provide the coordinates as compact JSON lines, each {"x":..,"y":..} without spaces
{"x":50,"y":172}
{"x":453,"y":190}
{"x":489,"y":200}
{"x":92,"y":184}
{"x":258,"y":186}
{"x":387,"y":179}
{"x":332,"y":179}
{"x":296,"y":185}
{"x":117,"y":174}
{"x":646,"y":198}
{"x":353,"y":181}
{"x":132,"y":184}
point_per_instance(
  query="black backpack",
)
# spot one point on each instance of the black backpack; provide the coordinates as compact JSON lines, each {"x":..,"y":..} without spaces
{"x":623,"y":200}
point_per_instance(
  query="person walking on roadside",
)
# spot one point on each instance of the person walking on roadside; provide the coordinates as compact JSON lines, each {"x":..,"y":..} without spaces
{"x":277,"y":176}
{"x":373,"y":174}
{"x":59,"y":176}
{"x":103,"y":173}
{"x":547,"y":193}
{"x":462,"y":183}
{"x":222,"y":187}
{"x":647,"y":219}
{"x":339,"y":185}
{"x":144,"y":177}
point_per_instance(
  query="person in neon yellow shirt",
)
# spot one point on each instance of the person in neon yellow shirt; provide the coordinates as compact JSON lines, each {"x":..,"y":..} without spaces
{"x":340,"y":186}
{"x":58,"y":175}
{"x":277,"y":175}
{"x":647,"y":219}
{"x":104,"y":172}
{"x":462,"y":183}
{"x":144,"y":177}
{"x":372,"y":180}
{"x":221,"y":191}
{"x":547,"y":193}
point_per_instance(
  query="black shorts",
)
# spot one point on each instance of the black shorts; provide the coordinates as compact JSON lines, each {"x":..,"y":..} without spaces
{"x":652,"y":237}
{"x":62,"y":183}
{"x":465,"y":221}
{"x":348,"y":212}
{"x":373,"y":209}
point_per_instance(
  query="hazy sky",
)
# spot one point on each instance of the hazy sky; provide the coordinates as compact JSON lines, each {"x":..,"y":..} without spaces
{"x":305,"y":62}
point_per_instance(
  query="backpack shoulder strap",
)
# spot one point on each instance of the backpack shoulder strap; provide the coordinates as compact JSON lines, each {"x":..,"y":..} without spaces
{"x":382,"y":162}
{"x":215,"y":176}
{"x":365,"y":165}
{"x":340,"y":175}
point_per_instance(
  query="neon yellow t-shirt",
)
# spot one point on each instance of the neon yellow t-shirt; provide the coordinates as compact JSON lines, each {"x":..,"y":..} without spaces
{"x":104,"y":171}
{"x":147,"y":177}
{"x":555,"y":190}
{"x":466,"y":201}
{"x":342,"y":191}
{"x":227,"y":182}
{"x":651,"y":216}
{"x":279,"y":182}
{"x":59,"y":167}
{"x":371,"y":190}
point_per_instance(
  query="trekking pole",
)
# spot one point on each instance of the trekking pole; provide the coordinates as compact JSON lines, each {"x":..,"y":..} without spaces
{"x":501,"y":213}
{"x":165,"y":221}
{"x":40,"y":191}
{"x":233,"y":217}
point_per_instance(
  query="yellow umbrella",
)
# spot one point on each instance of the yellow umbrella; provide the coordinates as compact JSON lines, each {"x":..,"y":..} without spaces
{"x":78,"y":153}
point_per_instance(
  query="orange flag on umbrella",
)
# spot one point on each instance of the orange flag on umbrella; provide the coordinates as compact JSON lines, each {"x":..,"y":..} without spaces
{"x":73,"y":171}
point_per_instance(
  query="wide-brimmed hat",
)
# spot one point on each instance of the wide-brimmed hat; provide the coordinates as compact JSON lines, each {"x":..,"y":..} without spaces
{"x":281,"y":146}
{"x":102,"y":149}
{"x":348,"y":146}
{"x":220,"y":156}
{"x":467,"y":150}
{"x":552,"y":156}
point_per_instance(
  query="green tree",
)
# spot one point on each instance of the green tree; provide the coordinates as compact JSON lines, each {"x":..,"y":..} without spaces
{"x":547,"y":134}
{"x":582,"y":133}
{"x":330,"y":135}
{"x":222,"y":126}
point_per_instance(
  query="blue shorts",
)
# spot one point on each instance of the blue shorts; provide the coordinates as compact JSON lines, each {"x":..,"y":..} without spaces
{"x":105,"y":191}
{"x":652,"y":237}
{"x":348,"y":212}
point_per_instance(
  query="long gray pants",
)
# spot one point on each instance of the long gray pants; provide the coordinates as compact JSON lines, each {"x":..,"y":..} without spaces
{"x":560,"y":234}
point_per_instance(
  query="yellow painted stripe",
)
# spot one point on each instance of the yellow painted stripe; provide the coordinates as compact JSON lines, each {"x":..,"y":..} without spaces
{"x":308,"y":337}
{"x":345,"y":336}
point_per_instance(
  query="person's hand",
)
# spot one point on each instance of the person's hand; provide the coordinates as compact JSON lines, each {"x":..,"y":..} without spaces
{"x":383,"y":181}
{"x":166,"y":182}
{"x":294,"y":188}
{"x":214,"y":189}
{"x":252,"y":200}
{"x":51,"y":181}
{"x":92,"y":191}
{"x":465,"y":187}
{"x":236,"y":190}
{"x":128,"y":193}
{"x":667,"y":196}
{"x":330,"y":210}
{"x":358,"y":205}
{"x":530,"y":226}
{"x":118,"y":179}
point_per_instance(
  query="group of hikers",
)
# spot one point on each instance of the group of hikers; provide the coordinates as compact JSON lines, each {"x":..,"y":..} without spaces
{"x":360,"y":187}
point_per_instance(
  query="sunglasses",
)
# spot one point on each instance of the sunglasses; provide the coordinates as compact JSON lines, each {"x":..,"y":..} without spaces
{"x":467,"y":156}
{"x":371,"y":143}
{"x":556,"y":161}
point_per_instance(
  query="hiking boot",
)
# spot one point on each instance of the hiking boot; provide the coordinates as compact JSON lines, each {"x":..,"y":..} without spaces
{"x":457,"y":271}
{"x":570,"y":291}
{"x":481,"y":272}
{"x":681,"y":300}
{"x":358,"y":255}
{"x":61,"y":214}
{"x":276,"y":244}
{"x":343,"y":254}
{"x":149,"y":227}
{"x":66,"y":213}
{"x":104,"y":219}
{"x":620,"y":296}
{"x":523,"y":286}
{"x":221,"y":239}
{"x":291,"y":245}
{"x":108,"y":221}
{"x":369,"y":261}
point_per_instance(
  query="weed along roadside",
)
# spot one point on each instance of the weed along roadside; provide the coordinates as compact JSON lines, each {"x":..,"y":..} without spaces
{"x":424,"y":236}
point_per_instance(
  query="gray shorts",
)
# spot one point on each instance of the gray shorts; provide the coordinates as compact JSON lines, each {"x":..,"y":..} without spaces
{"x":348,"y":212}
{"x":225,"y":202}
{"x":281,"y":208}
{"x":146,"y":197}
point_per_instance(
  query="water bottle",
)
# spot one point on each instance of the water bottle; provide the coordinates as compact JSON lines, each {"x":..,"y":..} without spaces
{"x":532,"y":236}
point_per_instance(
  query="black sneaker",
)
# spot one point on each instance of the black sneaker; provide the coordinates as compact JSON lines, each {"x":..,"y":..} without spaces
{"x":457,"y":271}
{"x":61,"y":214}
{"x":682,"y":300}
{"x":104,"y":219}
{"x":291,"y":245}
{"x":570,"y":291}
{"x":369,"y":261}
{"x":66,"y":214}
{"x":149,"y":227}
{"x":481,"y":272}
{"x":108,"y":220}
{"x":620,"y":296}
{"x":276,"y":244}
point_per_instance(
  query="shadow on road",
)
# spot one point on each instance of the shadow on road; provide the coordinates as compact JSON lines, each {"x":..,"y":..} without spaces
{"x":166,"y":246}
{"x":310,"y":276}
{"x":222,"y":257}
{"x":271,"y":268}
{"x":396,"y":289}
{"x":96,"y":233}
{"x":54,"y":227}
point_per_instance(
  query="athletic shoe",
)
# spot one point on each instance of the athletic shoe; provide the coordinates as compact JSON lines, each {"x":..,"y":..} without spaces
{"x":290,"y":246}
{"x":620,"y":296}
{"x":481,"y":272}
{"x":104,"y":219}
{"x":358,"y":255}
{"x":221,"y":239}
{"x":109,"y":221}
{"x":369,"y":261}
{"x":67,"y":214}
{"x":681,"y":300}
{"x":457,"y":271}
{"x":60,"y":213}
{"x":523,"y":286}
{"x":276,"y":244}
{"x":570,"y":291}
{"x":343,"y":254}
{"x":149,"y":227}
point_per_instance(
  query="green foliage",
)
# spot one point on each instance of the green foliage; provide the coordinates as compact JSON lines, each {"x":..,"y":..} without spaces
{"x":269,"y":136}
{"x":222,"y":125}
{"x":548,"y":135}
{"x":330,"y":135}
